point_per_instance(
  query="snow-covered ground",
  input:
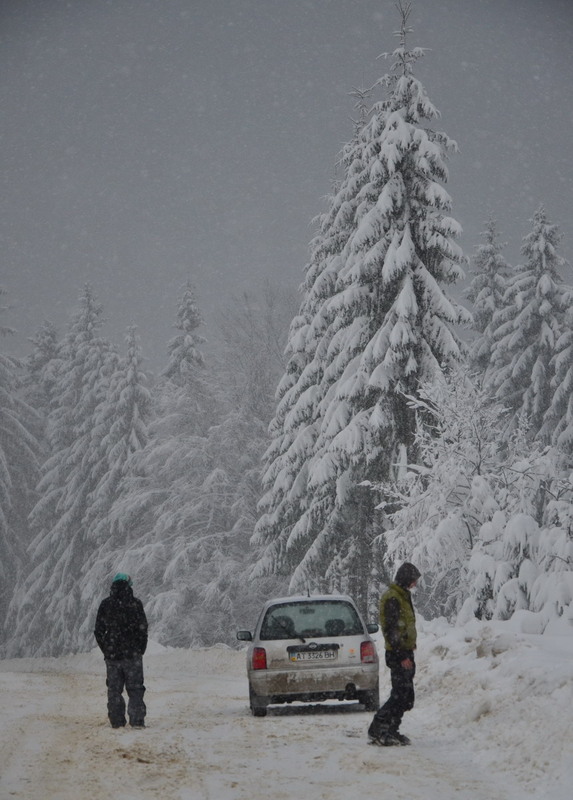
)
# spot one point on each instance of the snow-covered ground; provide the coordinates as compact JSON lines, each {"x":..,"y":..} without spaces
{"x":493,"y":721}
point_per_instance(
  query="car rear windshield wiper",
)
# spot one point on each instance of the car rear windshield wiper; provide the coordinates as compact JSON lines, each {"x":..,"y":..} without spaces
{"x":289,"y":631}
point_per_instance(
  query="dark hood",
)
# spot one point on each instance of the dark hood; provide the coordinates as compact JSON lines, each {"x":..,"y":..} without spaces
{"x":121,"y":590}
{"x":406,"y":575}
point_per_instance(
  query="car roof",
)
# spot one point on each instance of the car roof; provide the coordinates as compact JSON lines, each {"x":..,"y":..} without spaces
{"x":304,"y":598}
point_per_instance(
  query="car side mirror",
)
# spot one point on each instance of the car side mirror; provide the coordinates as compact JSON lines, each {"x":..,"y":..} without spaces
{"x":244,"y":636}
{"x":372,"y":627}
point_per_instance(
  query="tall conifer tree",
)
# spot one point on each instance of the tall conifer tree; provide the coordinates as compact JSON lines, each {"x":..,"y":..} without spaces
{"x":19,"y":469}
{"x":184,"y":396}
{"x":528,"y":327}
{"x":45,"y":609}
{"x":185,"y":355}
{"x":491,"y":273}
{"x":389,"y":326}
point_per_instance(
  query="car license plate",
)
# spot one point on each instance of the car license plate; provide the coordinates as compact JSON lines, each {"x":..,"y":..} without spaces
{"x":314,"y":655}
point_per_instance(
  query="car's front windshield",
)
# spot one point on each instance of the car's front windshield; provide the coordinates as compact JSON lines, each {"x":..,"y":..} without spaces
{"x":311,"y":619}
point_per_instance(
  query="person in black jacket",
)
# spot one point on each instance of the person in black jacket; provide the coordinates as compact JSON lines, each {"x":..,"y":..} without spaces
{"x":398,"y":623}
{"x":121,"y":633}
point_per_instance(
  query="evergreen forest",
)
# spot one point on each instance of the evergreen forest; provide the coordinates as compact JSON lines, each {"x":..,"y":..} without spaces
{"x":412,"y":403}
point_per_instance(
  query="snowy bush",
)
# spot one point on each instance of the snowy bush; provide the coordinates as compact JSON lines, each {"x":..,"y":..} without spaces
{"x":436,"y":512}
{"x":523,"y":558}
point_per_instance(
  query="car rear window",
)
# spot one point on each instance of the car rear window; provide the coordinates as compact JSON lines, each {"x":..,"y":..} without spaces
{"x":315,"y":618}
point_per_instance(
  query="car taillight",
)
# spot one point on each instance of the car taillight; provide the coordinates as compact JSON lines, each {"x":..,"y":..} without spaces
{"x":368,"y":653}
{"x":259,"y":658}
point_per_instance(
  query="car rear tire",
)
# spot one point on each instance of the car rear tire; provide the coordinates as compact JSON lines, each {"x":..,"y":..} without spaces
{"x":370,"y":699}
{"x":258,"y":704}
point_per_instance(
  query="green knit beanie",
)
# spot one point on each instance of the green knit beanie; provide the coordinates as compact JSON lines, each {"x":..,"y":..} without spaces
{"x":121,"y":576}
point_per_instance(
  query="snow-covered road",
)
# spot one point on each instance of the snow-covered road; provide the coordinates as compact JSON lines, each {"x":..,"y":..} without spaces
{"x":201,"y":742}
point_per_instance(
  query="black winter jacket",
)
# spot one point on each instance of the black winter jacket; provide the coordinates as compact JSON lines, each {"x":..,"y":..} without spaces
{"x":121,"y":624}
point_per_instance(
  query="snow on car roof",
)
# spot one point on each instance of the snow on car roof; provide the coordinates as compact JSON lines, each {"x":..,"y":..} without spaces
{"x":302,"y":598}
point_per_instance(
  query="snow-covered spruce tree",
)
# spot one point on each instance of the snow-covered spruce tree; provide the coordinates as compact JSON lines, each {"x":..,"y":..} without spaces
{"x":185,"y":355}
{"x":45,"y":609}
{"x":19,"y":471}
{"x":527,"y":328}
{"x":486,"y":290}
{"x":390,"y":328}
{"x":184,"y":397}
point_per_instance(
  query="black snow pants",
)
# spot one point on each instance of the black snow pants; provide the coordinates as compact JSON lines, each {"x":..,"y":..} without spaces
{"x":389,"y":716}
{"x":126,"y":674}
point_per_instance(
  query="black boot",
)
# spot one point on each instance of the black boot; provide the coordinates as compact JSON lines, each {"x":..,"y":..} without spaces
{"x":377,"y":731}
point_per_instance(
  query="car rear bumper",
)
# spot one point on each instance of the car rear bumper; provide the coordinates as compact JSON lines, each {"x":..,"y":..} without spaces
{"x":309,"y":684}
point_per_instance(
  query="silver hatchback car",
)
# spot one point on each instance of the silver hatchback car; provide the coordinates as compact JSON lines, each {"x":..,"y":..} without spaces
{"x":311,"y":649}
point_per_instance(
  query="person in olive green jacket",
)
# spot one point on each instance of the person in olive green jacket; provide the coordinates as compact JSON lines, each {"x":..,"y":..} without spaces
{"x":398,"y":623}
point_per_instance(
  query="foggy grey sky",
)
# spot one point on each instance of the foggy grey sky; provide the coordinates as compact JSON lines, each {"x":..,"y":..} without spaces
{"x":146,"y":140}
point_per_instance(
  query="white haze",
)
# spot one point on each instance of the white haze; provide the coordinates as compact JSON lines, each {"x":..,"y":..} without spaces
{"x":144,"y":140}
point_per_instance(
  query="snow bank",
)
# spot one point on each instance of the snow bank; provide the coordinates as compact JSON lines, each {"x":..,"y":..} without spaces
{"x":506,"y":694}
